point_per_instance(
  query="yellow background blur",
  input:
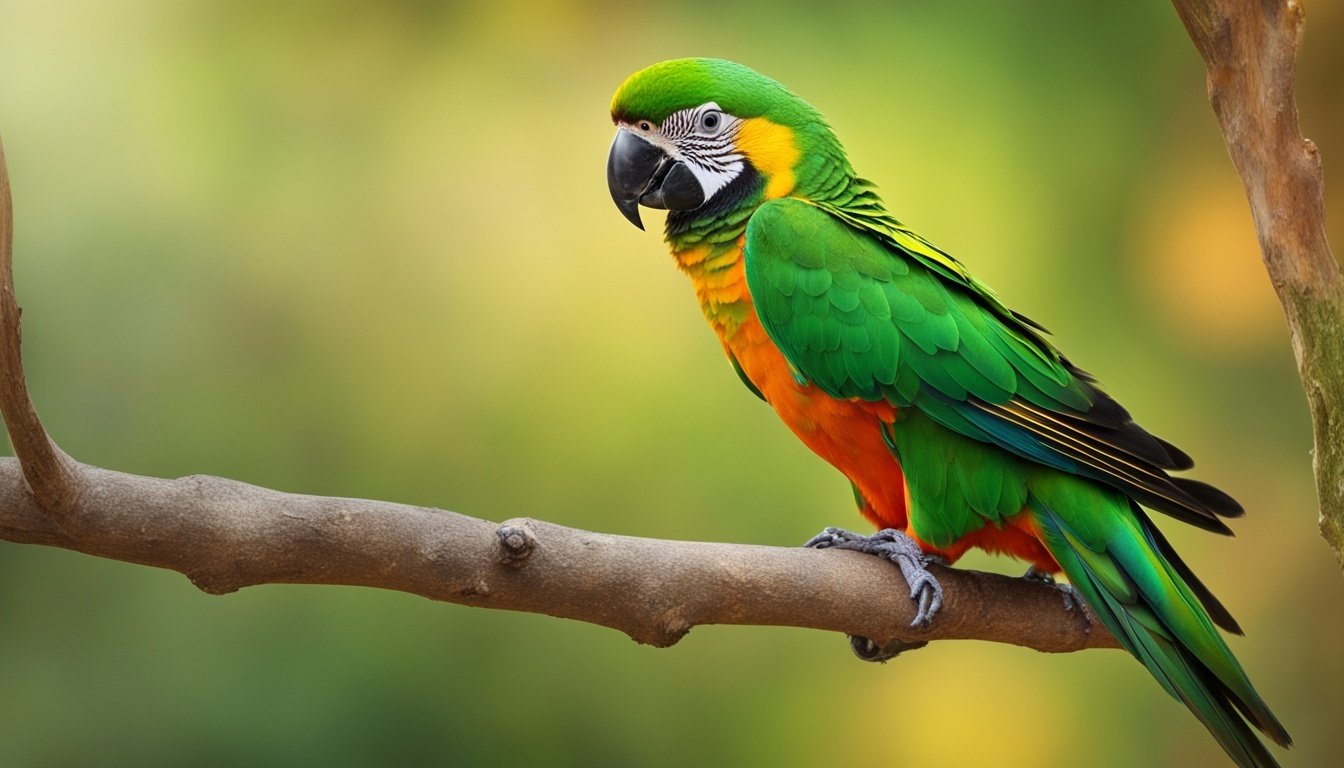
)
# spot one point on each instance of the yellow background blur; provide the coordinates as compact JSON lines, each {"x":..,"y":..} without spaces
{"x":366,"y":249}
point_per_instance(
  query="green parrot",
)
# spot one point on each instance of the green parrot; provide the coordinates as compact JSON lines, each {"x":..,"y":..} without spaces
{"x":957,"y":422}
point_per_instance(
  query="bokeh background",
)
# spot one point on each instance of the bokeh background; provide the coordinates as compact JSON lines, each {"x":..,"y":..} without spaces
{"x":366,"y":249}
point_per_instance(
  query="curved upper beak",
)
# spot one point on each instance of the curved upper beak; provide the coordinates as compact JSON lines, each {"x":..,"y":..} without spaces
{"x":640,"y":173}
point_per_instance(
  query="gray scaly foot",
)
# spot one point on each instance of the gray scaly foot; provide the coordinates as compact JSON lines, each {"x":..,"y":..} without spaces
{"x":900,"y":549}
{"x":1073,"y":601}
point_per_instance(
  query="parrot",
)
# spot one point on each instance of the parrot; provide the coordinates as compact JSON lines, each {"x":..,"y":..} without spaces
{"x":956,"y":420}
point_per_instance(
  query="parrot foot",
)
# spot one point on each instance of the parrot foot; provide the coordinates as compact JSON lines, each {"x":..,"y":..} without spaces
{"x":893,"y":545}
{"x":1073,"y":601}
{"x":867,"y":650}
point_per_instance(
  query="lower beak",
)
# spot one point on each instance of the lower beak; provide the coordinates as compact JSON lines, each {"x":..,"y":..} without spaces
{"x":639,"y":173}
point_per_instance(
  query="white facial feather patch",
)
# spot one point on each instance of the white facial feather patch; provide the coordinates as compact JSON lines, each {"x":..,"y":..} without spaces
{"x":703,"y":139}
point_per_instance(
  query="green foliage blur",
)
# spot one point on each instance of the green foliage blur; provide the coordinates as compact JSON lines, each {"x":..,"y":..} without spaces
{"x":366,"y":249}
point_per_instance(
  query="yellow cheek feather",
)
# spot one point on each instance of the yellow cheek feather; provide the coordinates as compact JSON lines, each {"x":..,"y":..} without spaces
{"x":771,"y":149}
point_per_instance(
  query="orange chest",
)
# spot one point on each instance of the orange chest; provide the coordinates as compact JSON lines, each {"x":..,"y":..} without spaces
{"x":718,"y":274}
{"x":846,"y":433}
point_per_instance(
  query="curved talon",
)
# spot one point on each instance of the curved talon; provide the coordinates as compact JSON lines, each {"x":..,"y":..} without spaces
{"x":1073,"y":601}
{"x":833,"y":537}
{"x":927,"y":591}
{"x":867,"y":650}
{"x":1037,"y":574}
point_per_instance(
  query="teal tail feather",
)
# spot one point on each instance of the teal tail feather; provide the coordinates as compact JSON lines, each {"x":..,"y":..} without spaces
{"x":1156,"y":608}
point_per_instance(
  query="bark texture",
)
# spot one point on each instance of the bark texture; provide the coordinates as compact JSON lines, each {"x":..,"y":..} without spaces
{"x":1250,"y":52}
{"x":225,"y":535}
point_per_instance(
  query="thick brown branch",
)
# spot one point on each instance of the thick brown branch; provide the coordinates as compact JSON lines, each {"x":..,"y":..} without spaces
{"x":1250,"y":52}
{"x":225,"y":535}
{"x":50,"y":474}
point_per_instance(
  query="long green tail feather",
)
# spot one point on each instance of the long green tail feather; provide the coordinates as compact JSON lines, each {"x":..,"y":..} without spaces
{"x":1114,"y":558}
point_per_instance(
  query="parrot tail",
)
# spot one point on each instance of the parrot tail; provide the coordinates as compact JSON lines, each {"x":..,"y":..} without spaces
{"x":1160,"y":613}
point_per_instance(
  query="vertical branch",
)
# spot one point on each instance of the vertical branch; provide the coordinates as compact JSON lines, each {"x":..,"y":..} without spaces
{"x":51,"y":475}
{"x":1250,"y":52}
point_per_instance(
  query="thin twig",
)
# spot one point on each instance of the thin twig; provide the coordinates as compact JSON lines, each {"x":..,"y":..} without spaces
{"x":51,"y":475}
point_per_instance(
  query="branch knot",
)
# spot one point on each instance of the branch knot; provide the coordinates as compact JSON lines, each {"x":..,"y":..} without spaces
{"x":516,"y":542}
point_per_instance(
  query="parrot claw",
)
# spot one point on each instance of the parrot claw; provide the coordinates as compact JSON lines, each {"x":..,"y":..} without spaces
{"x":1040,"y":576}
{"x":867,"y":650}
{"x":893,"y":545}
{"x":1073,"y":601}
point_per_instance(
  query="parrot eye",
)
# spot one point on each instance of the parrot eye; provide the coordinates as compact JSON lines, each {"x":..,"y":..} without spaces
{"x":710,"y":121}
{"x":644,"y":125}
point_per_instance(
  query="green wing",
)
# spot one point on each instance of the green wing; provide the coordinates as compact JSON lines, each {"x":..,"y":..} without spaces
{"x":995,"y":421}
{"x":862,"y":313}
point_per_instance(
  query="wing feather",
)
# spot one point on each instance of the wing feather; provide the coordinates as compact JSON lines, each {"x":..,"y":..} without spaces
{"x":877,"y":313}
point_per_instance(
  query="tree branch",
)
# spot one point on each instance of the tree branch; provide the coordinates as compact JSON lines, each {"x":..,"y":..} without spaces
{"x":1250,"y":52}
{"x":50,"y":474}
{"x":224,"y":535}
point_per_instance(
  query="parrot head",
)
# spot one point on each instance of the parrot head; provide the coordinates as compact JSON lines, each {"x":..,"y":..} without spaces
{"x":704,"y":137}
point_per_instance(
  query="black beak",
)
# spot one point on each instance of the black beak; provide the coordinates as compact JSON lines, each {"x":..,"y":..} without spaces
{"x":639,"y":173}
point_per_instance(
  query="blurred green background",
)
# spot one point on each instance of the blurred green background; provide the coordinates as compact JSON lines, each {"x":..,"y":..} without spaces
{"x":366,"y":249}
